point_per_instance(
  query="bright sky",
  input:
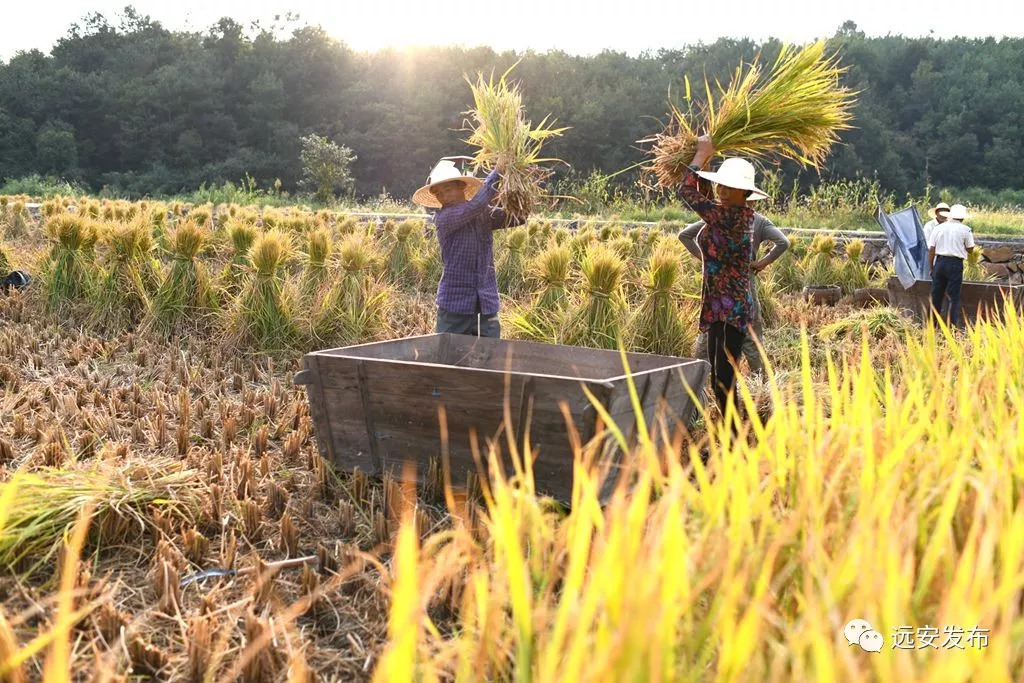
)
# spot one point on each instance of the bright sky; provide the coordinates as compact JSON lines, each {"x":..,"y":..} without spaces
{"x":575,"y":26}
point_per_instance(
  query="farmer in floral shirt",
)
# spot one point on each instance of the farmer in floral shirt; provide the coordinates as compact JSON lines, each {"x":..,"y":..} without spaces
{"x":727,"y":307}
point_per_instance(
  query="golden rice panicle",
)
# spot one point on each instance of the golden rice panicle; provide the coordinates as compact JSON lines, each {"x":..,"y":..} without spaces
{"x":270,"y":251}
{"x":795,"y":112}
{"x":508,"y":141}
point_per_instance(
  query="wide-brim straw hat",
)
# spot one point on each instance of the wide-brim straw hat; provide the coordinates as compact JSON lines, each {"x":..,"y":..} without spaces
{"x":941,"y":206}
{"x":958,"y":212}
{"x":737,"y":173}
{"x":445,"y":172}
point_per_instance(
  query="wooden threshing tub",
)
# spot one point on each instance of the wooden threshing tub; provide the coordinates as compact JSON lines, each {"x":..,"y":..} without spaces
{"x":975,"y":297}
{"x":375,"y":406}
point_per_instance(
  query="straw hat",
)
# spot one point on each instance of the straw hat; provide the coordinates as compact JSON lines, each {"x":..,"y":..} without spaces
{"x":941,"y":206}
{"x":958,"y":212}
{"x":737,"y":173}
{"x":445,"y":172}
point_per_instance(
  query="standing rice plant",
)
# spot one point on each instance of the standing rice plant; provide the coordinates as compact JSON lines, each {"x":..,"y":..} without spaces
{"x":263,"y":314}
{"x":596,"y":319}
{"x":768,"y":290}
{"x":795,"y":112}
{"x":508,"y":142}
{"x":658,"y":325}
{"x":185,"y":290}
{"x":129,"y":275}
{"x":512,"y":262}
{"x":66,"y":274}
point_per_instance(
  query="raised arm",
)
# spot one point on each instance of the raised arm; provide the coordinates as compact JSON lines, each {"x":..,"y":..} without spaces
{"x":690,"y":189}
{"x":458,"y":217}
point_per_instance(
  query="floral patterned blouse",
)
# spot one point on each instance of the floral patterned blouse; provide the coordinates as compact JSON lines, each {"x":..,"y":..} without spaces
{"x":725,"y":243}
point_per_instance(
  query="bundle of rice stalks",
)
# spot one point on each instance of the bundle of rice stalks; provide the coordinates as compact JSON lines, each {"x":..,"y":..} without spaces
{"x":973,"y":272}
{"x":786,"y":272}
{"x":354,"y":311}
{"x":854,"y":274}
{"x":401,"y":255}
{"x":186,"y":288}
{"x":658,"y":326}
{"x":358,"y":255}
{"x":596,"y":320}
{"x":427,"y":261}
{"x":508,"y":142}
{"x":242,"y":234}
{"x":561,"y":235}
{"x":551,"y":269}
{"x":795,"y":112}
{"x":512,"y":262}
{"x":66,"y":274}
{"x":5,"y":263}
{"x":880,"y":323}
{"x":263,"y":314}
{"x":318,"y":254}
{"x":16,"y":219}
{"x":818,"y":266}
{"x":130,"y":275}
{"x":768,"y":289}
{"x":41,"y":507}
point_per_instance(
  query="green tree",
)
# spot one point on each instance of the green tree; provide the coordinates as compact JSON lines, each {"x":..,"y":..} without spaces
{"x":326,"y":167}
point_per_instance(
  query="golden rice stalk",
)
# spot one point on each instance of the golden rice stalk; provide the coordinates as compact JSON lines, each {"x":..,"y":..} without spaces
{"x":187,"y":285}
{"x":66,"y":274}
{"x":508,"y":142}
{"x":512,"y":262}
{"x":551,"y":268}
{"x":264,"y":315}
{"x":129,"y":277}
{"x":318,"y":253}
{"x":45,"y":503}
{"x":658,"y":326}
{"x":796,"y":111}
{"x":596,"y":320}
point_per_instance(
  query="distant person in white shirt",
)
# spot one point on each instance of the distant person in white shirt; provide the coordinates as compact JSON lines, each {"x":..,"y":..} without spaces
{"x":948,"y":247}
{"x":939,"y":213}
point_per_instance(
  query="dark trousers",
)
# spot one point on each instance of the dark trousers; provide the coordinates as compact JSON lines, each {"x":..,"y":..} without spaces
{"x":947,"y":277}
{"x":725,"y":343}
{"x":476,"y":324}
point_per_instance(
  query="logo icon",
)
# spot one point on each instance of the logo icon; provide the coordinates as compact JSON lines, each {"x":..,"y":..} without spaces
{"x":860,"y":632}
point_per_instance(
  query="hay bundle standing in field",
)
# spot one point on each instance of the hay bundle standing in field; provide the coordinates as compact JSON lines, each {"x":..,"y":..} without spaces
{"x":659,"y":325}
{"x":796,"y":112}
{"x":66,"y":274}
{"x":509,"y":143}
{"x":186,"y":288}
{"x":467,"y":297}
{"x":596,"y":319}
{"x":263,"y":313}
{"x":130,"y":275}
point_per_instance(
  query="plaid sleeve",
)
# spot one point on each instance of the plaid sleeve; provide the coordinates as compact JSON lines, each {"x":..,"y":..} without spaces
{"x":462,"y":215}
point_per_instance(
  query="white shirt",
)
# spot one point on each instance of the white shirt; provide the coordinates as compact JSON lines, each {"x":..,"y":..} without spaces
{"x":929,"y":228}
{"x":951,"y":238}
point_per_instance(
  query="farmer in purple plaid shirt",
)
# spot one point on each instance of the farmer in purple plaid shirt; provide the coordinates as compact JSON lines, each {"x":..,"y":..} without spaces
{"x":467,"y":298}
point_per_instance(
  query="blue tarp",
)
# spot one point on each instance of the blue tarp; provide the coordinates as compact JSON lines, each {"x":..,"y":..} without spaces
{"x":906,"y":242}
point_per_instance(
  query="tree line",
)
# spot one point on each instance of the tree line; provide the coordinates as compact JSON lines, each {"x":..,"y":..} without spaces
{"x":139,"y":109}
